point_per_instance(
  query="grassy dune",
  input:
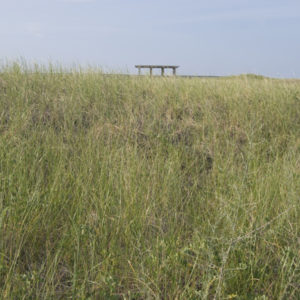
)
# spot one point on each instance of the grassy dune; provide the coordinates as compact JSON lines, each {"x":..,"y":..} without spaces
{"x":115,"y":187}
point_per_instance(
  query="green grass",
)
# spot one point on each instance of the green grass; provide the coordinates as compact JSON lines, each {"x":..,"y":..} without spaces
{"x":119,"y":187}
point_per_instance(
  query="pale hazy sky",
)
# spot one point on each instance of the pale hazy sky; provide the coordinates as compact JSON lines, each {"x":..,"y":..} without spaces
{"x":214,"y":37}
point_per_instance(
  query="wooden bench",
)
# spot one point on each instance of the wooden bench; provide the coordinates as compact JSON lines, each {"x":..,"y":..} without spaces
{"x":151,"y":67}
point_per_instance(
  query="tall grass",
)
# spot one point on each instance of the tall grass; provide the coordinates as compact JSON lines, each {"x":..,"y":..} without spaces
{"x":119,"y":187}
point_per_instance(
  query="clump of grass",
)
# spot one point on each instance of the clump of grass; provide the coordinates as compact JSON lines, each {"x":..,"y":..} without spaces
{"x":119,"y":187}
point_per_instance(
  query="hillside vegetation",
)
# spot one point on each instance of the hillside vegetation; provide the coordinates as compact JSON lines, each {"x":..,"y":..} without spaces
{"x":120,"y":187}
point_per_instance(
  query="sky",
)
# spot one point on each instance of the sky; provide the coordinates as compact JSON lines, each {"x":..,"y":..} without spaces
{"x":214,"y":37}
